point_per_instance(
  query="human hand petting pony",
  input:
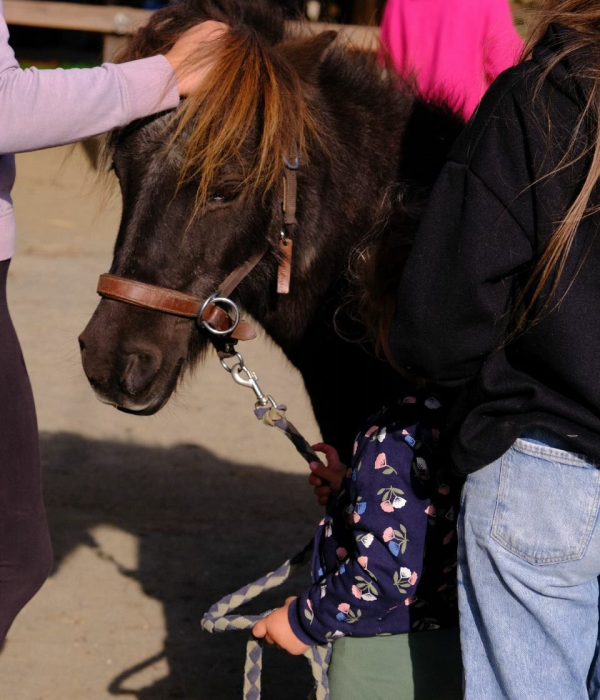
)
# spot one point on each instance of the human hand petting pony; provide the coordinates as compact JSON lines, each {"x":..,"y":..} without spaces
{"x":190,"y":73}
{"x":326,"y":480}
{"x":275,"y":629}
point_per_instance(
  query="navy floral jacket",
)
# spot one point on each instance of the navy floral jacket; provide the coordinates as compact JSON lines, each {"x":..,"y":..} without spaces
{"x":385,"y":554}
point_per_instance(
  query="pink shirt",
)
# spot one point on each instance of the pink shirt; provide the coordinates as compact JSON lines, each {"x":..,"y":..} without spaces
{"x":456,"y":48}
{"x":40,"y":109}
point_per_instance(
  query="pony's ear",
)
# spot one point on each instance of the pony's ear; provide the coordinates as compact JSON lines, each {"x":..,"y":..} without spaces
{"x":307,"y":54}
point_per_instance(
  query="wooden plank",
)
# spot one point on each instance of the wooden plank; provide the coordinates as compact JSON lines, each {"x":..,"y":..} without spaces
{"x":105,"y":19}
{"x":113,"y":19}
{"x":356,"y":37}
{"x":121,"y":20}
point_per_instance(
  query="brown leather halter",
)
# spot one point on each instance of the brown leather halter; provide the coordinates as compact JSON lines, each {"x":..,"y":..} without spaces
{"x":206,"y":312}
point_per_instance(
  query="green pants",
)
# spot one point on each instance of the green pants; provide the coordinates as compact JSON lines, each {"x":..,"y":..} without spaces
{"x":417,"y":666}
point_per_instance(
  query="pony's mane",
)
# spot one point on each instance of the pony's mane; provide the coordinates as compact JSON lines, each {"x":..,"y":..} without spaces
{"x":253,"y":109}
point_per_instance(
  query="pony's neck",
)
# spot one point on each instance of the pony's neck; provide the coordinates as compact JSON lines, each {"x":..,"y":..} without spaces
{"x":378,"y":141}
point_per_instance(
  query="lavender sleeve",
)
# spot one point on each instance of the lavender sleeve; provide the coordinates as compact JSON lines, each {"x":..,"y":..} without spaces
{"x":40,"y":109}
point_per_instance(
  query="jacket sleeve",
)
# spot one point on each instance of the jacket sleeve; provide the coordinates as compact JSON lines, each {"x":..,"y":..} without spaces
{"x":40,"y":109}
{"x":502,"y":43}
{"x":369,"y":590}
{"x":455,"y":296}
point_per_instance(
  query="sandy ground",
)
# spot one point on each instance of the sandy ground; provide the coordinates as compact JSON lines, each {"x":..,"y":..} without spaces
{"x":152,"y":519}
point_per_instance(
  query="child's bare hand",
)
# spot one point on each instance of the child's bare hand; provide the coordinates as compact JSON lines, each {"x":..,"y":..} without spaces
{"x":326,"y":480}
{"x":276,"y":629}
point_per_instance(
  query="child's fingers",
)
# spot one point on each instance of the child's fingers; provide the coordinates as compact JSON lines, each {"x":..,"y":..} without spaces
{"x":321,"y":491}
{"x":314,"y":480}
{"x":330,"y":452}
{"x":323,"y":501}
{"x":260,"y":629}
{"x":319,"y":470}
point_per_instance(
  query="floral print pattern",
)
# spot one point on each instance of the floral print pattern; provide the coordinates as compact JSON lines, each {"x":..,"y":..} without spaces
{"x":385,"y":554}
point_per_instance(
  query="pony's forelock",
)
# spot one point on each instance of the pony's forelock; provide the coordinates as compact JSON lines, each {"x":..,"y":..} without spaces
{"x":252,"y":111}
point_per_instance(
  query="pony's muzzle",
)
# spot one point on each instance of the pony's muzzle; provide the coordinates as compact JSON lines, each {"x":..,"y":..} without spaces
{"x":139,"y":370}
{"x":131,"y":371}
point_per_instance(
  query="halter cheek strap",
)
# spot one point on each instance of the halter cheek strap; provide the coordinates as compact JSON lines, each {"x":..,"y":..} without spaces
{"x":290,"y":203}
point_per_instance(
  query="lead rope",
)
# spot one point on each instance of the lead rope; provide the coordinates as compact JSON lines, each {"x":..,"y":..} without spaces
{"x":219,"y":617}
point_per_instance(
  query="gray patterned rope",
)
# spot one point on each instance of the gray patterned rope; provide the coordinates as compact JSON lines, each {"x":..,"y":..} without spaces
{"x":220,"y":618}
{"x":276,"y":418}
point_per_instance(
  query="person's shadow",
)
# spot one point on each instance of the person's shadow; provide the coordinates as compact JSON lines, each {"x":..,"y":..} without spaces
{"x":204,"y":527}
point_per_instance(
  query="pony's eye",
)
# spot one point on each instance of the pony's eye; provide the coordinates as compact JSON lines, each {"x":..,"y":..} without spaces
{"x":224,"y":192}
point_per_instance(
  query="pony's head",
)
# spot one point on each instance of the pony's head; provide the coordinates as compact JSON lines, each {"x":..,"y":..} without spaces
{"x":202,"y":189}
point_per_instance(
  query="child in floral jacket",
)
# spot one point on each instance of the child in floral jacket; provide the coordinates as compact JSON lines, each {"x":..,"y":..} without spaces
{"x":384,"y":561}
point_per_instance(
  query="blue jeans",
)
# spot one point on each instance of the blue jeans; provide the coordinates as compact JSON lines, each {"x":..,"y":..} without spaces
{"x":529,"y":561}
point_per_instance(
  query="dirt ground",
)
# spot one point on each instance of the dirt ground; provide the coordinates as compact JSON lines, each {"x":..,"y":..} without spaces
{"x":152,"y":519}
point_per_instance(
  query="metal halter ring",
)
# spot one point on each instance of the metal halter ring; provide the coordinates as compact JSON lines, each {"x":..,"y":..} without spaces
{"x":293,"y":164}
{"x":214,"y":299}
{"x":239,"y":363}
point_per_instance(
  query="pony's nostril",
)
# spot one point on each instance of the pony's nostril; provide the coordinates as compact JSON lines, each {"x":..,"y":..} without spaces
{"x":82,"y":345}
{"x":139,"y":370}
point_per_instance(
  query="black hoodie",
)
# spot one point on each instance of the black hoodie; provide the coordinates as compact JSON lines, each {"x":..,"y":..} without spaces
{"x":489,"y":217}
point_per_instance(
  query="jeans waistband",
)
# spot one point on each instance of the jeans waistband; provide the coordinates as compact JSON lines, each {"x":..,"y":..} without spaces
{"x":541,"y":436}
{"x":542,"y":442}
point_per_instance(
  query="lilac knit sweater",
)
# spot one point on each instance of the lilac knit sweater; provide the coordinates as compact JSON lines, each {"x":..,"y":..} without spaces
{"x":40,"y":109}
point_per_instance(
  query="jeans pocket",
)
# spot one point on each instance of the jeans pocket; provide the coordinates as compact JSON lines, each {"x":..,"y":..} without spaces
{"x":547,"y":504}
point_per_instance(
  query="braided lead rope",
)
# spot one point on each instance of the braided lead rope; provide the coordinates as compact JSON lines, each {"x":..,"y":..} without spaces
{"x":276,"y":418}
{"x":319,"y":659}
{"x":219,"y":617}
{"x":253,"y":669}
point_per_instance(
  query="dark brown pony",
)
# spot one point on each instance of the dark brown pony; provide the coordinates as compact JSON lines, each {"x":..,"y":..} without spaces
{"x":202,"y":193}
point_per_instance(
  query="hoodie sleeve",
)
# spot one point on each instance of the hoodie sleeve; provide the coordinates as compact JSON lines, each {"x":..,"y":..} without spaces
{"x":44,"y":108}
{"x":476,"y":237}
{"x":455,"y":296}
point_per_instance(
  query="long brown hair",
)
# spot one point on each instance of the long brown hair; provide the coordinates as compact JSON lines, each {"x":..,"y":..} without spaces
{"x":583,"y":18}
{"x":375,"y":268}
{"x":377,"y":262}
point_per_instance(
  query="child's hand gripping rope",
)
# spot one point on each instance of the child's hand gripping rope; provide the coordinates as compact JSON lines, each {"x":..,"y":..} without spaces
{"x":275,"y":629}
{"x":326,"y":480}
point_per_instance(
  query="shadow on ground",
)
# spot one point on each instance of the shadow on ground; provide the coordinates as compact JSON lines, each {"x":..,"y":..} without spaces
{"x":204,"y":527}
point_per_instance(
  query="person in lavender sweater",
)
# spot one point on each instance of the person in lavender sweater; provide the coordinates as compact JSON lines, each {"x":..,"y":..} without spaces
{"x":40,"y":109}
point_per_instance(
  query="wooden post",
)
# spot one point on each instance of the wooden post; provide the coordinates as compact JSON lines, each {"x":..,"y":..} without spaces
{"x":112,"y":45}
{"x":367,"y":12}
